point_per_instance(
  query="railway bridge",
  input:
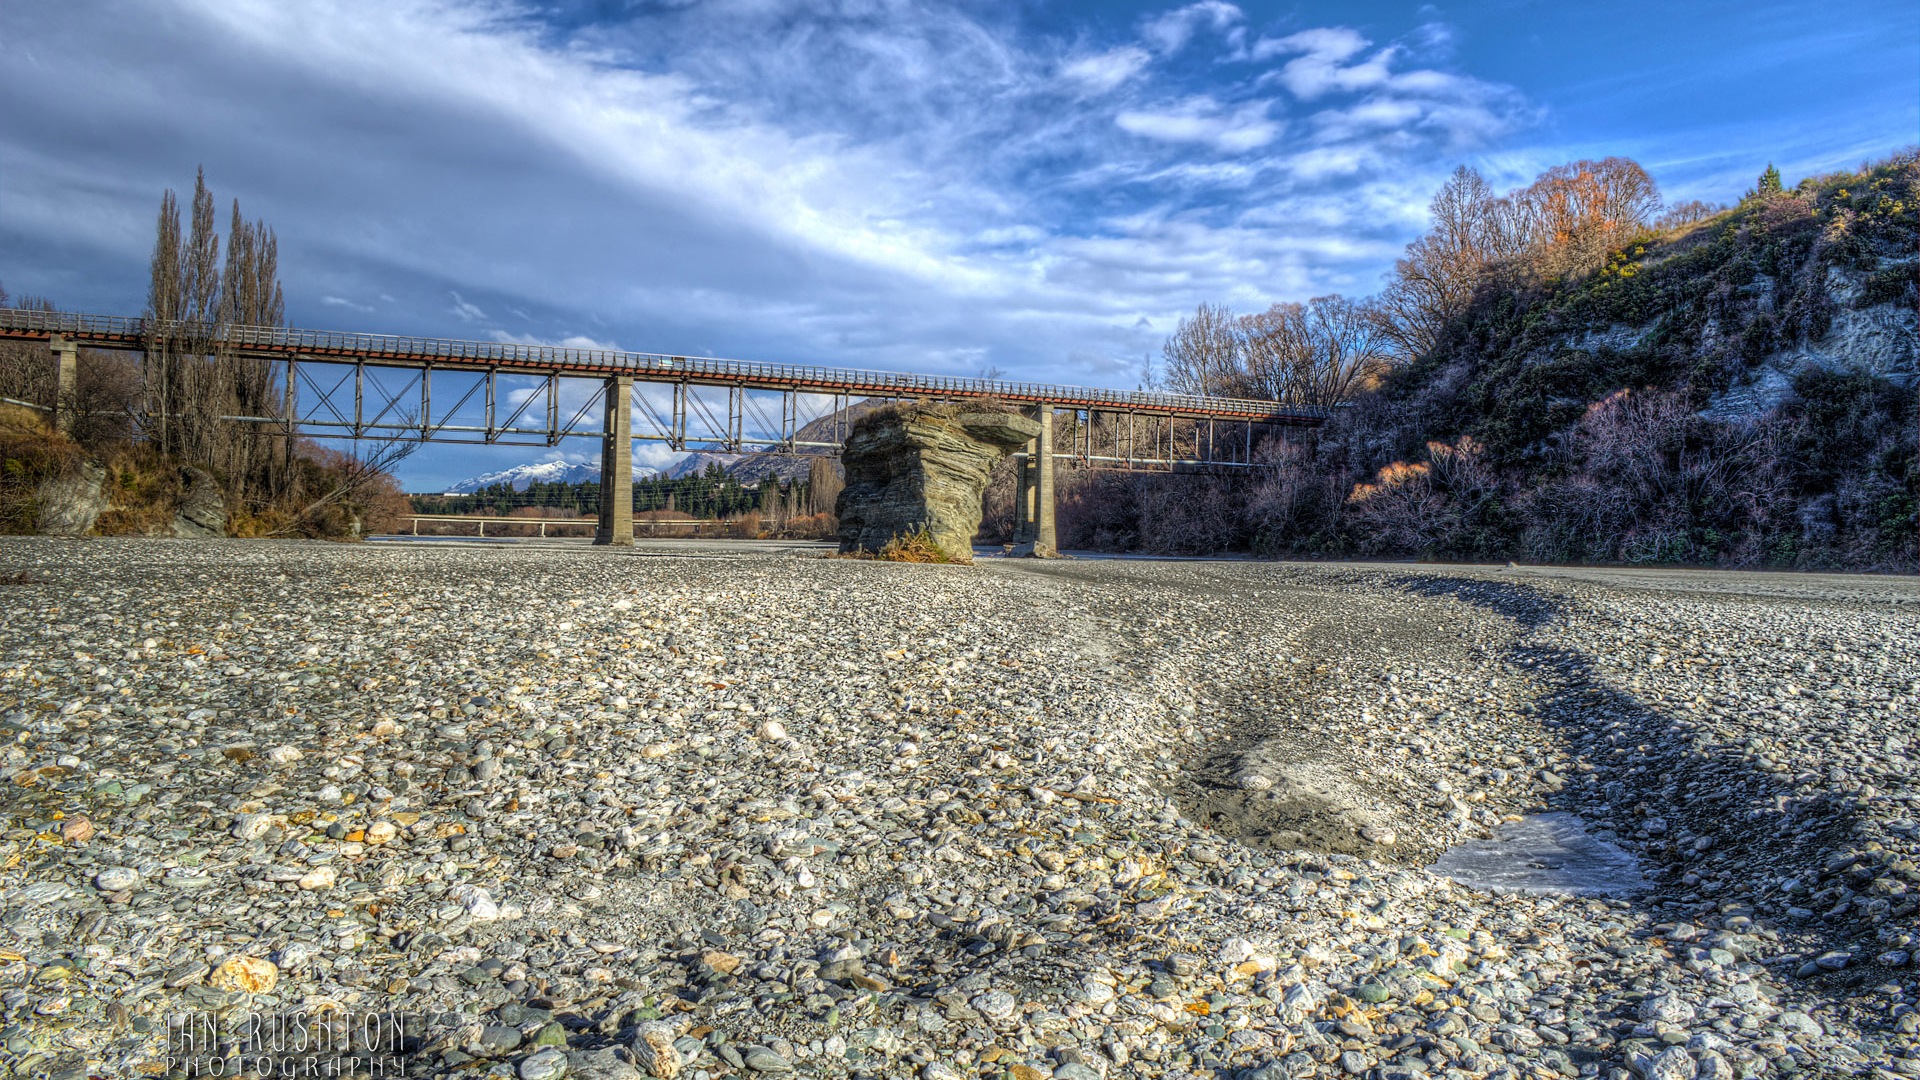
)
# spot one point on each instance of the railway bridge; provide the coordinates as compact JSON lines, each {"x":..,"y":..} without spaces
{"x":380,"y":386}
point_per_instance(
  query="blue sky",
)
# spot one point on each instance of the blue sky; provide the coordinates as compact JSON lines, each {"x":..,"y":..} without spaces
{"x":1042,"y":188}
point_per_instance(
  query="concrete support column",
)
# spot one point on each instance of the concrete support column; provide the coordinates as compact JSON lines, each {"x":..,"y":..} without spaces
{"x":1043,"y":538}
{"x":616,"y":466}
{"x":66,"y":378}
{"x":1023,"y":497}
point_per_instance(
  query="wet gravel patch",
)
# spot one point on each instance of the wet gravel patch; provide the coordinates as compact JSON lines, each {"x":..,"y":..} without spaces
{"x":602,"y":816}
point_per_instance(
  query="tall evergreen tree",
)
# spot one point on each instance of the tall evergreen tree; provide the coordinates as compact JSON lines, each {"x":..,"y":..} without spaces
{"x":1770,"y":181}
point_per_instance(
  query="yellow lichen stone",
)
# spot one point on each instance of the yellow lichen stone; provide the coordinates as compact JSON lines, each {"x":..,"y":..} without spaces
{"x":246,"y":974}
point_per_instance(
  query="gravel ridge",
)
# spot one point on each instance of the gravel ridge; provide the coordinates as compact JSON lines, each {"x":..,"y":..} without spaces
{"x":580,"y":814}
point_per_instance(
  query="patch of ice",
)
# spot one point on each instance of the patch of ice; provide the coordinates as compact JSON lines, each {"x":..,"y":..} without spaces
{"x":1545,"y":854}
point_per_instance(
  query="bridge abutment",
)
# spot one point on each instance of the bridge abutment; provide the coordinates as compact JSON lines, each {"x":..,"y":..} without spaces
{"x":66,"y":379}
{"x":616,"y":466}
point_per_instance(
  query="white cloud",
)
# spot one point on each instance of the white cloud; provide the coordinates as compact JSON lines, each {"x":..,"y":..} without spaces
{"x":1327,"y":161}
{"x":1322,"y":69}
{"x":464,"y":311}
{"x":1203,"y":120}
{"x":1102,"y":72}
{"x":338,"y":301}
{"x":564,"y":341}
{"x":1170,"y":32}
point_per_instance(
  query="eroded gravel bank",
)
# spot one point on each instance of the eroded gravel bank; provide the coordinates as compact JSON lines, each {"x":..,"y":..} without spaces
{"x":620,"y":816}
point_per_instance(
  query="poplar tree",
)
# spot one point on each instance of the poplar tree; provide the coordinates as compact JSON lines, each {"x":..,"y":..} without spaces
{"x":194,"y":379}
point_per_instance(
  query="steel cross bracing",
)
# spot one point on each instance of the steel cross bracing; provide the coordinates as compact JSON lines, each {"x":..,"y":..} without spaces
{"x":685,"y":402}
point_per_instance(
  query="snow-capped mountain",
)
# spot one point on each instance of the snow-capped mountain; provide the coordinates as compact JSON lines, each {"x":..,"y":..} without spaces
{"x":518,"y":477}
{"x":746,"y":468}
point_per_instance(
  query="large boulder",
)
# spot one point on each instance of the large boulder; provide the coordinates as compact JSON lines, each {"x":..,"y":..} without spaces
{"x":915,"y":467}
{"x":202,"y":513}
{"x":69,"y":504}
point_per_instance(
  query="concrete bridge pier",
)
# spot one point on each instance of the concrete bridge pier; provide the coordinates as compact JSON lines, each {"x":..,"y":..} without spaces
{"x":616,"y":466}
{"x":66,"y":378}
{"x":1043,"y":537}
{"x":1023,"y":495}
{"x":1033,"y":532}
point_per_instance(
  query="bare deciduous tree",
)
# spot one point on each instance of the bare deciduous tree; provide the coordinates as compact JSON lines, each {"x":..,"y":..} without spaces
{"x":26,"y":371}
{"x":1580,"y":211}
{"x":1473,"y":230}
{"x":1320,"y":353}
{"x":1565,"y":222}
{"x":1202,"y":355}
{"x":1687,"y":213}
{"x":357,"y":473}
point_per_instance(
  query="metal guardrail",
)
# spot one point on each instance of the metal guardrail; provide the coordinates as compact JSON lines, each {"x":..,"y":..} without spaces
{"x":115,"y":331}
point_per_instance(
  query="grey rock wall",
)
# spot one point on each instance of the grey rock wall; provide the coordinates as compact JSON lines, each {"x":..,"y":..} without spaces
{"x":202,"y":513}
{"x":1878,"y":340}
{"x":69,"y":505}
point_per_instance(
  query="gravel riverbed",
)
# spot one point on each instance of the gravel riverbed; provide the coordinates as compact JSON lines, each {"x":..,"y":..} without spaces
{"x":678,"y":812}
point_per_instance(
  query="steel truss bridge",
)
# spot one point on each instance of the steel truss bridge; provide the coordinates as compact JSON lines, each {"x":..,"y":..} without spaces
{"x":354,"y":385}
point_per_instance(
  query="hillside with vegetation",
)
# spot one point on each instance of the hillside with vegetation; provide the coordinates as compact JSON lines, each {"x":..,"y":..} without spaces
{"x":155,"y":448}
{"x":1559,"y":375}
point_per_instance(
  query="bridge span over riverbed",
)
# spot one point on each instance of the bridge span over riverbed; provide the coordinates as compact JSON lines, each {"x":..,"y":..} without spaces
{"x":354,"y":385}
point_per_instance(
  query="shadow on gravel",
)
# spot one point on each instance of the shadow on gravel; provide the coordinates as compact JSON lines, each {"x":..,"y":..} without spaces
{"x":1684,"y":804}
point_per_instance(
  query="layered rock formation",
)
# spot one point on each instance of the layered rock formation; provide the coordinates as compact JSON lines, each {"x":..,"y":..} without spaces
{"x":915,"y":467}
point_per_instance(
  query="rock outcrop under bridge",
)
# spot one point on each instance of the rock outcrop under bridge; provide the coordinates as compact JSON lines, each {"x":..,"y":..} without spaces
{"x":915,"y":467}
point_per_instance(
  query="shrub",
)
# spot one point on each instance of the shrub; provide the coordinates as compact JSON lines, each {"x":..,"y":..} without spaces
{"x":27,"y":460}
{"x":143,"y":487}
{"x":914,"y":547}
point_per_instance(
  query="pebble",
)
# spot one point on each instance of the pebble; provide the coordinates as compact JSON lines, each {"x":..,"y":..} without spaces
{"x":653,"y":1047}
{"x":251,"y":826}
{"x":115,"y":879}
{"x":761,"y":1059}
{"x":246,"y":974}
{"x":547,"y":1064}
{"x":992,"y":850}
{"x":1673,"y":1063}
{"x":1667,"y":1009}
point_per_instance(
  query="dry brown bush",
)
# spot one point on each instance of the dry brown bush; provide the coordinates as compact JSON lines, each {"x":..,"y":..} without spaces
{"x":916,"y":547}
{"x":28,"y":459}
{"x":143,"y":488}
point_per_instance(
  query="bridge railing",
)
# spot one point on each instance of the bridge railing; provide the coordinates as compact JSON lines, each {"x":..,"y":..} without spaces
{"x":324,"y":345}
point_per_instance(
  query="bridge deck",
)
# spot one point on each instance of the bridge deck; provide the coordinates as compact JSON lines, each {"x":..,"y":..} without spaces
{"x":273,"y":343}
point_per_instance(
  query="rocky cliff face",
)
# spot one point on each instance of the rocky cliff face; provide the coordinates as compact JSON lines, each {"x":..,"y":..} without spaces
{"x":923,"y":467}
{"x":68,"y":505}
{"x":202,"y":513}
{"x":1864,"y":338}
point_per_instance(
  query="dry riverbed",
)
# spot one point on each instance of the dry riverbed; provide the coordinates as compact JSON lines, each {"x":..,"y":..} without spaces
{"x":579,"y":813}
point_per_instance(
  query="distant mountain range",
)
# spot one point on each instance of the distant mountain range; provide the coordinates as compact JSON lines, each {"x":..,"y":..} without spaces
{"x":746,"y":468}
{"x":521,"y":476}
